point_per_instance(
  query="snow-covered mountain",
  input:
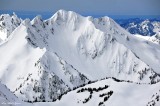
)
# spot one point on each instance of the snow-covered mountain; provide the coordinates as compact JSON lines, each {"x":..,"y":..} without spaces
{"x":8,"y":23}
{"x":44,"y":59}
{"x":146,"y":29}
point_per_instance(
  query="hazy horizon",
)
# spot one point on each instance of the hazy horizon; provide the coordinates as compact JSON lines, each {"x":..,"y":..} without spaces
{"x":46,"y":15}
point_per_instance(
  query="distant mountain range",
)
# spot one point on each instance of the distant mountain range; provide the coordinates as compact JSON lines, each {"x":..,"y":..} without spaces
{"x":148,"y":27}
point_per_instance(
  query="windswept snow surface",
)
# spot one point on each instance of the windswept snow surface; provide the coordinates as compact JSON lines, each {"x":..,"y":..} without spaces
{"x":44,"y":59}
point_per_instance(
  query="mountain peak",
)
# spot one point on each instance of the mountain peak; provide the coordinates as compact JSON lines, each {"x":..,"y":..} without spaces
{"x":64,"y":15}
{"x":26,"y":21}
{"x":61,"y":11}
{"x":7,"y":25}
{"x":37,"y":19}
{"x":105,"y":18}
{"x":14,"y":14}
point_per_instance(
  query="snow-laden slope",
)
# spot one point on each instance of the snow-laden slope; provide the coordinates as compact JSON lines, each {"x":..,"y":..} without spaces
{"x":7,"y":25}
{"x":155,"y":38}
{"x":52,"y":78}
{"x":18,"y":58}
{"x":150,"y":54}
{"x":46,"y":58}
{"x":110,"y":93}
{"x":30,"y":79}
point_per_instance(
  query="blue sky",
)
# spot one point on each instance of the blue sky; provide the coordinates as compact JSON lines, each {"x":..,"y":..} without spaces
{"x":84,"y":7}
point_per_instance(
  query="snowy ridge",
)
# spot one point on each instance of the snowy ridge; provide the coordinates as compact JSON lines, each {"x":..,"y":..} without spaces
{"x":51,"y":57}
{"x":53,"y":77}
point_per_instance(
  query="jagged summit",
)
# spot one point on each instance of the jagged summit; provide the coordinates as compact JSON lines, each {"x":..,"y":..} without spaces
{"x":8,"y":23}
{"x":64,"y":15}
{"x":37,"y":19}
